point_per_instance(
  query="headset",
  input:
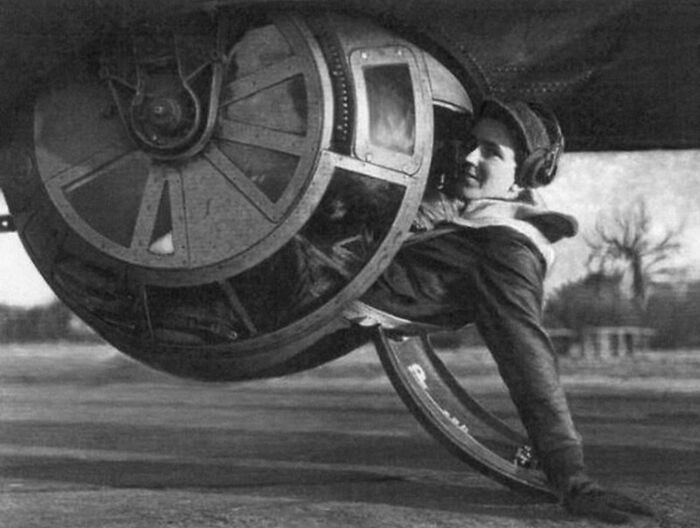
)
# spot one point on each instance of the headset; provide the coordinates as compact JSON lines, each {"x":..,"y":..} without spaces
{"x":540,"y":167}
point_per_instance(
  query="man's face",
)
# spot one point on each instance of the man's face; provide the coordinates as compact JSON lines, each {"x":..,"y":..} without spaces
{"x":488,"y":169}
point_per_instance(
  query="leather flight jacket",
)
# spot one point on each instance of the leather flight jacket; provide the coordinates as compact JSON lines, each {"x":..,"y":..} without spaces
{"x":488,"y":269}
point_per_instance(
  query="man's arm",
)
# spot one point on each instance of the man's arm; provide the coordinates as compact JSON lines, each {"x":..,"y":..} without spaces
{"x":508,"y":313}
{"x":508,"y":316}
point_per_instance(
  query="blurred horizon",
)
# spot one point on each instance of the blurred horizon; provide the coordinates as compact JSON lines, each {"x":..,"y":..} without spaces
{"x":587,"y":185}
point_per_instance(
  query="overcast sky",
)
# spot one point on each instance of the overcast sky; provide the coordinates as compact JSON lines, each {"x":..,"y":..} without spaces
{"x":591,"y":184}
{"x":587,"y":184}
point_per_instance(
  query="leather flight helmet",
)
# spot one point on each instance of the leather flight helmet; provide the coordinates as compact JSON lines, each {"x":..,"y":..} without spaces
{"x":539,"y":136}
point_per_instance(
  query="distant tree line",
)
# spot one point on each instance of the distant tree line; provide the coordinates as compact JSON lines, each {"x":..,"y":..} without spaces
{"x":671,"y":310}
{"x":674,"y":313}
{"x":598,"y":299}
{"x":630,"y":282}
{"x":51,"y":322}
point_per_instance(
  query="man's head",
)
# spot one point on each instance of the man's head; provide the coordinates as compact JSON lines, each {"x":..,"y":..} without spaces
{"x":515,"y":146}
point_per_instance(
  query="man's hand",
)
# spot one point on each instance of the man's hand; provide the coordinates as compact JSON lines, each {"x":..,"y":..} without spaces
{"x":607,"y":506}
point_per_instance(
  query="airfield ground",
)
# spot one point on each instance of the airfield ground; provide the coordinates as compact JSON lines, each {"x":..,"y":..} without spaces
{"x":89,"y":438}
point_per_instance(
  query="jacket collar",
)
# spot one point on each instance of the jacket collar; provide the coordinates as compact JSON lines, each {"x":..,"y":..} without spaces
{"x":542,"y":226}
{"x":553,"y":225}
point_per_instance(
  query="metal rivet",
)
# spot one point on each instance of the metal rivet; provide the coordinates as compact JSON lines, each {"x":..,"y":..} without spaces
{"x":364,"y":55}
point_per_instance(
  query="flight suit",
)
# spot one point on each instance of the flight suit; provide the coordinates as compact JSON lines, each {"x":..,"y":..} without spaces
{"x":488,"y":269}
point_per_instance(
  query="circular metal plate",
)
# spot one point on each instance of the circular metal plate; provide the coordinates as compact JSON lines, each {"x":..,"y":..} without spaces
{"x":220,"y":212}
{"x":229,"y":265}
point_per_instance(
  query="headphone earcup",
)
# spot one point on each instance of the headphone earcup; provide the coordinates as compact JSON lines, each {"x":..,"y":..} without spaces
{"x":538,"y":168}
{"x":527,"y":174}
{"x":550,"y":163}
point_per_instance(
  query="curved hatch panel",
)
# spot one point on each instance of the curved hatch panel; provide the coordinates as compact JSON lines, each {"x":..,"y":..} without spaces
{"x":443,"y":406}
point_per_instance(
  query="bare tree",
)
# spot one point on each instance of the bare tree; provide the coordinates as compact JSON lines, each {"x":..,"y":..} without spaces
{"x":625,"y":242}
